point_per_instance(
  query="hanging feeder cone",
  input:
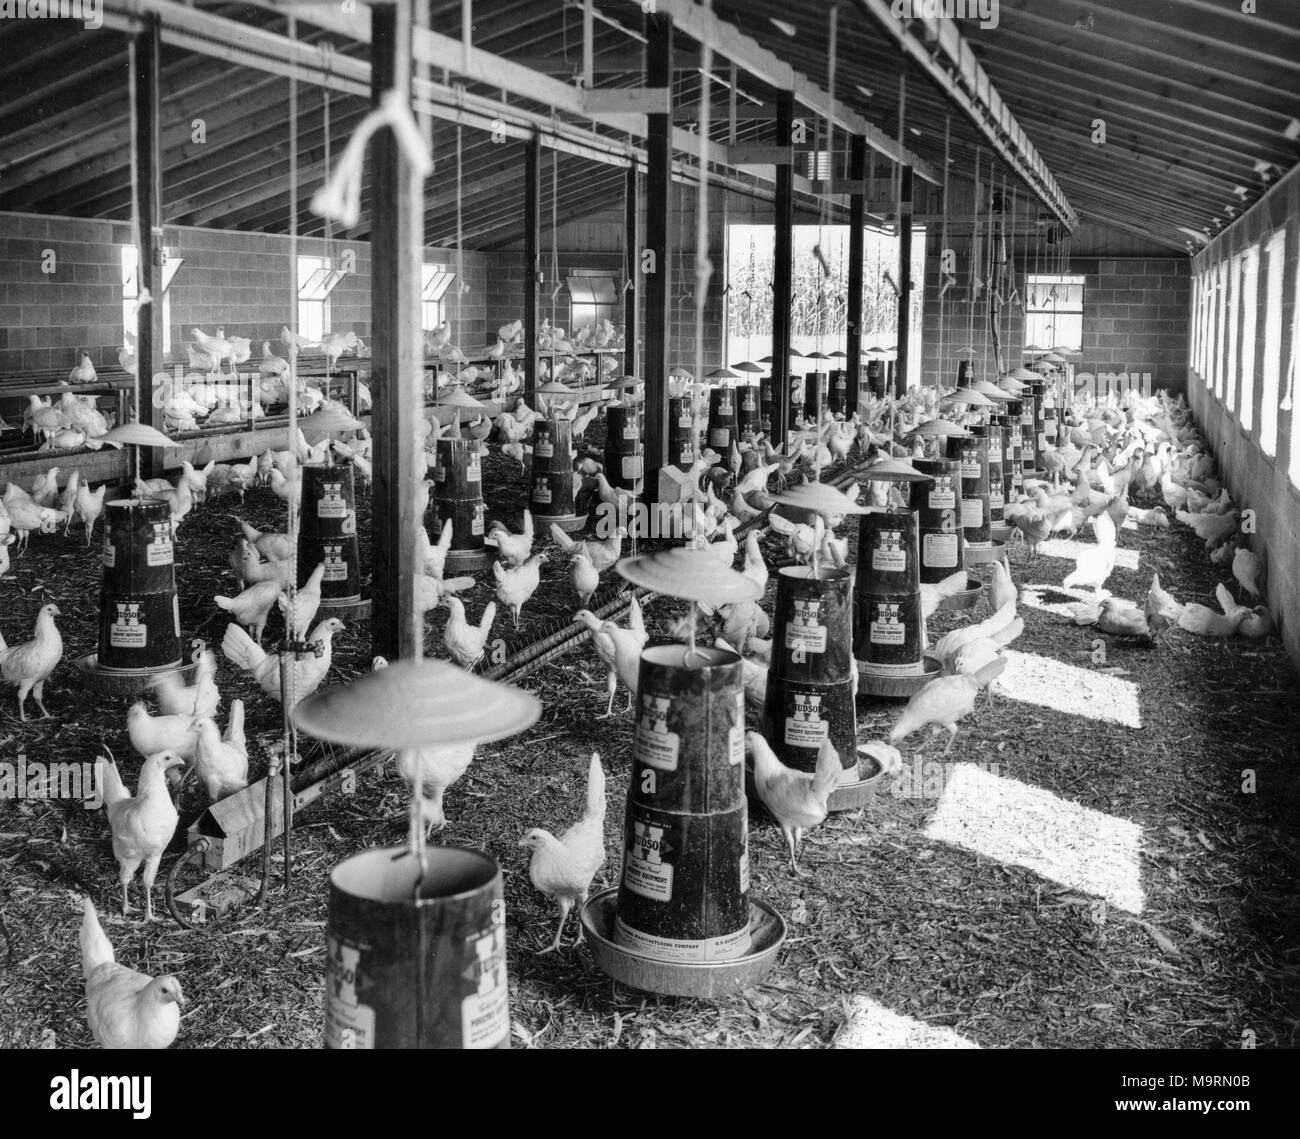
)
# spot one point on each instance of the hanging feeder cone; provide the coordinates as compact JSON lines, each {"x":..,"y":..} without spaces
{"x":690,"y":574}
{"x":415,"y":704}
{"x":139,"y":435}
{"x":938,"y":427}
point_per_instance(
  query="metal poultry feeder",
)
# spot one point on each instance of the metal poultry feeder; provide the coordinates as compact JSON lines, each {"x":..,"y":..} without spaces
{"x":682,"y":920}
{"x":416,"y":934}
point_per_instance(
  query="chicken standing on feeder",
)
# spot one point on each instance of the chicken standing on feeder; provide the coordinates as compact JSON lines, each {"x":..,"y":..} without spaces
{"x":29,"y":665}
{"x":563,"y":868}
{"x":798,"y":800}
{"x":142,"y":824}
{"x":125,"y":1009}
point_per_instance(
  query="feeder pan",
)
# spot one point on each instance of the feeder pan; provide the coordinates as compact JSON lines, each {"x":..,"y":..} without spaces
{"x":859,"y":793}
{"x":968,"y":396}
{"x":1000,"y":531}
{"x":691,"y":574}
{"x":894,"y":470}
{"x":980,"y":555}
{"x":106,"y":681}
{"x":994,"y":392}
{"x":940,"y":427}
{"x":898,"y":687}
{"x":963,"y":599}
{"x":749,"y":366}
{"x":138,"y":435}
{"x":329,"y":421}
{"x":710,"y":980}
{"x":414,"y":704}
{"x":820,"y":498}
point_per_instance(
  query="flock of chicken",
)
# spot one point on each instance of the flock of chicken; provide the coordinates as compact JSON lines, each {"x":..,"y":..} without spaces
{"x":1109,"y":451}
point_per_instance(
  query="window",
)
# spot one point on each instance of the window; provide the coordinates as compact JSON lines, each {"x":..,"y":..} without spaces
{"x":1249,"y":301}
{"x":819,"y":304}
{"x":1054,"y":311}
{"x":817,"y":165}
{"x":131,"y":290}
{"x":435,"y":280}
{"x":1233,"y":330}
{"x":316,"y":280}
{"x":1272,"y":344}
{"x":593,"y":297}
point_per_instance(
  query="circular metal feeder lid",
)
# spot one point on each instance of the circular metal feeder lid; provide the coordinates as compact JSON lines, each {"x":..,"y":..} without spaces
{"x":329,"y":421}
{"x":966,"y":352}
{"x":896,"y":470}
{"x":1022,"y":374}
{"x":1033,"y":350}
{"x":689,"y":573}
{"x":821,"y":498}
{"x":460,"y":398}
{"x":994,"y":392}
{"x":554,"y":387}
{"x":427,"y":703}
{"x":939,"y":427}
{"x":677,"y":372}
{"x":816,"y":356}
{"x":969,"y":396}
{"x":139,"y":435}
{"x":722,"y":374}
{"x":749,"y":366}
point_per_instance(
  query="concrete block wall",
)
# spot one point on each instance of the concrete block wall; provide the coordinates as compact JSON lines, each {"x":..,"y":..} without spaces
{"x":244,"y":281}
{"x":1135,"y":317}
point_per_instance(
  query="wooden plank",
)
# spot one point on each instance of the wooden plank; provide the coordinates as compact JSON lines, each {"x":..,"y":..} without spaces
{"x":659,"y":243}
{"x":857,"y":249}
{"x":904,"y":279}
{"x":149,"y":235}
{"x":783,"y":274}
{"x":628,"y":100}
{"x":532,"y":262}
{"x":397,"y":238}
{"x":632,"y":296}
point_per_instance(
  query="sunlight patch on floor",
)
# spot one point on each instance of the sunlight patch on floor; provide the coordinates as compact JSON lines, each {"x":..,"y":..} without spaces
{"x":871,"y":1025}
{"x":1026,"y":826}
{"x":1068,"y":550}
{"x":1032,"y":679}
{"x":1031,"y":596}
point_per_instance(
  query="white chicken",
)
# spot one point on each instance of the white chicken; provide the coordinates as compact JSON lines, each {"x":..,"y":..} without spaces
{"x":516,"y":586}
{"x":29,"y":665}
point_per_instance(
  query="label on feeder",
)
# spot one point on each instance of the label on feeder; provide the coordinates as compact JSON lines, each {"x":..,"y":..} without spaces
{"x":631,"y":466}
{"x":939,"y":551}
{"x":331,"y":503}
{"x":888,"y":554}
{"x":1042,"y":441}
{"x":476,"y":527}
{"x":744,"y":861}
{"x":887,"y":627}
{"x":473,"y":468}
{"x":736,"y":735}
{"x":766,"y":424}
{"x":127,"y":632}
{"x":724,"y":948}
{"x":655,"y":745}
{"x":348,"y":1023}
{"x":720,"y":437}
{"x":485,"y":1013}
{"x":806,"y":728}
{"x":109,"y":556}
{"x":336,"y":568}
{"x":685,"y":460}
{"x":942,"y":496}
{"x":970,"y":465}
{"x":542,"y":492}
{"x":805,"y":630}
{"x":748,"y":404}
{"x":644,"y":870}
{"x":972,"y":513}
{"x":633,"y":433}
{"x":543,"y":448}
{"x":685,"y":419}
{"x":159,"y":551}
{"x":1010,"y":452}
{"x":997,"y":500}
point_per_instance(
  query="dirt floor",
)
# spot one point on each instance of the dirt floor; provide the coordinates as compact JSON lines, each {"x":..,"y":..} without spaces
{"x":976,"y":944}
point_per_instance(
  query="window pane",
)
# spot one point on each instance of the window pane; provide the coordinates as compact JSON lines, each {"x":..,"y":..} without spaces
{"x":1233,"y":328}
{"x":1272,"y":344}
{"x":1249,"y":301}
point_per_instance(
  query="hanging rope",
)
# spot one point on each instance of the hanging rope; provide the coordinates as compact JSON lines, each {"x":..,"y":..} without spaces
{"x":946,"y":280}
{"x":973,"y":290}
{"x":133,"y":78}
{"x":703,"y":266}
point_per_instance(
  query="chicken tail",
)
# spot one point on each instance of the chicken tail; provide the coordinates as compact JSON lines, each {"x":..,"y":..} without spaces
{"x":96,"y":949}
{"x":990,"y":672}
{"x":595,"y":789}
{"x":235,"y":723}
{"x":228,"y":603}
{"x":111,"y":786}
{"x":826,"y":776}
{"x":567,"y":544}
{"x":489,"y":615}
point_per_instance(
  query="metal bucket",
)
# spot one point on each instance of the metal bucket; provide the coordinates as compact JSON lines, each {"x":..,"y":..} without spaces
{"x":458,"y":499}
{"x":747,"y":410}
{"x":1031,"y":425}
{"x":887,"y":553}
{"x":800,"y":715}
{"x":815,"y":386}
{"x":624,"y":464}
{"x":681,"y":431}
{"x":973,"y":454}
{"x":408,"y":973}
{"x":795,"y":399}
{"x":723,"y":423}
{"x":887,"y":634}
{"x":997,"y":484}
{"x":327,"y":532}
{"x":684,"y":890}
{"x":550,"y":488}
{"x":837,"y":394}
{"x":1012,"y":475}
{"x":876,"y":379}
{"x":940,"y":546}
{"x":139,"y":618}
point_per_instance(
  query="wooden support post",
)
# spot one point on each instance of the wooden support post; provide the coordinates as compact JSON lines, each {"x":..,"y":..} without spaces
{"x":397,"y":239}
{"x":659,"y":245}
{"x":783,"y":273}
{"x":149,"y":238}
{"x":532,"y":262}
{"x":904,"y":278}
{"x":632,"y":296}
{"x":857,"y":252}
